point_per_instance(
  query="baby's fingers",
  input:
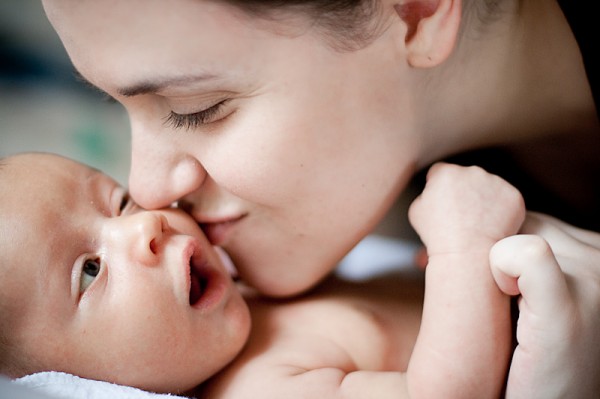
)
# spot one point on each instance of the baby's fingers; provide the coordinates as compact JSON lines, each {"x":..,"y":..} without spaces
{"x":526,"y":265}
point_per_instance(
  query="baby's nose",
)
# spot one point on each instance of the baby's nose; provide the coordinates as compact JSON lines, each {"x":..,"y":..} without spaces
{"x":142,"y":235}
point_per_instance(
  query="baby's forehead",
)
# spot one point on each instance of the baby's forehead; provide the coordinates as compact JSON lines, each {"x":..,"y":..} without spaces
{"x":35,"y":192}
{"x":29,"y":182}
{"x":34,"y":200}
{"x":41,"y":175}
{"x":37,"y":162}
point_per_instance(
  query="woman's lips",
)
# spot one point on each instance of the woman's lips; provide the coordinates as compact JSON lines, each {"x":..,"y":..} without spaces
{"x":218,"y":231}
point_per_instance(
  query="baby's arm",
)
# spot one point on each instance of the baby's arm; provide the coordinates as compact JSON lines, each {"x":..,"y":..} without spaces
{"x":463,"y":347}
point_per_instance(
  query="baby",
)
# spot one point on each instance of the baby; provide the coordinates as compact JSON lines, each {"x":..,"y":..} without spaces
{"x":93,"y":285}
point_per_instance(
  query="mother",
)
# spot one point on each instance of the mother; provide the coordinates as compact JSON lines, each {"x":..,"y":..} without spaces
{"x":288,"y":128}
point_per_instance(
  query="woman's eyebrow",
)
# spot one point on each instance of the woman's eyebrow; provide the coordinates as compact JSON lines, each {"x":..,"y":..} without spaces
{"x":147,"y":86}
{"x":80,"y":78}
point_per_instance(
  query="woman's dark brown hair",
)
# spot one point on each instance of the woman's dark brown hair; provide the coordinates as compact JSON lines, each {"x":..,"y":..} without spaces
{"x":345,"y":24}
{"x":348,"y":25}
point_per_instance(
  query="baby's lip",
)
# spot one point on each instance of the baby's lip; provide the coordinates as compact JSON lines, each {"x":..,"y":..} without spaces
{"x":206,"y":284}
{"x":193,"y":259}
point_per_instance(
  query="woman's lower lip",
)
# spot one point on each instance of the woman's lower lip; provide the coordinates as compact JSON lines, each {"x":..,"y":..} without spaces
{"x":217,"y":233}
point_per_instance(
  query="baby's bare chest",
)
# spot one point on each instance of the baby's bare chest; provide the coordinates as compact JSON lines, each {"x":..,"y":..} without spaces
{"x":366,"y":329}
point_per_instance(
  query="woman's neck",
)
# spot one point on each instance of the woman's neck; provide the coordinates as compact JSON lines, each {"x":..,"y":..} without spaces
{"x":518,"y":78}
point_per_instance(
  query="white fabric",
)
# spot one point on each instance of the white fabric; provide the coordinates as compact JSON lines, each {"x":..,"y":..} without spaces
{"x":67,"y":386}
{"x":10,"y":390}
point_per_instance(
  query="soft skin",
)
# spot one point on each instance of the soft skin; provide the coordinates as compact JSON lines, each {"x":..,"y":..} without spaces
{"x":133,"y":322}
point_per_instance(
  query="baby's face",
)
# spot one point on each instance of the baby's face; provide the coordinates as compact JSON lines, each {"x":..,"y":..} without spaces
{"x":108,"y":290}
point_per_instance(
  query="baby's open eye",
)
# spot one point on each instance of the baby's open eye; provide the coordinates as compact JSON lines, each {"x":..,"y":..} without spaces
{"x":89,"y":271}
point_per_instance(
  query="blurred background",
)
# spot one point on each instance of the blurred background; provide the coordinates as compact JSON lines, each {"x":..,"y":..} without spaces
{"x":43,"y":107}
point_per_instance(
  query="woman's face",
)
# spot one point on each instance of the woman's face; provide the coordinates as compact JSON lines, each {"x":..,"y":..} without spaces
{"x":285,"y":150}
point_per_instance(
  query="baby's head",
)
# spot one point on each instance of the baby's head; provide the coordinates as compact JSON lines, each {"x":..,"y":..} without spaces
{"x":92,"y":285}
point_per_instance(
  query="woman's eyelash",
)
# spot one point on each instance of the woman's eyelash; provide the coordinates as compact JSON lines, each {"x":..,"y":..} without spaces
{"x":108,"y":98}
{"x":105,"y":96}
{"x":192,"y":121}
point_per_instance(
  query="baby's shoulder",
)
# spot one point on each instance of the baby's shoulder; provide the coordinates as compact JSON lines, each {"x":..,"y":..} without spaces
{"x":316,"y":331}
{"x":282,"y":346}
{"x":319,"y":337}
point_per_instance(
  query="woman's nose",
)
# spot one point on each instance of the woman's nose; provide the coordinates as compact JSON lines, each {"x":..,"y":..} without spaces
{"x":159,"y":176}
{"x":140,"y":236}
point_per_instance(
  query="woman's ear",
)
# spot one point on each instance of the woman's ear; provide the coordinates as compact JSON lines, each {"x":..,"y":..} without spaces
{"x":432,"y":29}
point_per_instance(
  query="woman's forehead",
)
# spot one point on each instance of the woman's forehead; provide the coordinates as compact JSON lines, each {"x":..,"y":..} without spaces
{"x":185,"y":37}
{"x":132,"y":23}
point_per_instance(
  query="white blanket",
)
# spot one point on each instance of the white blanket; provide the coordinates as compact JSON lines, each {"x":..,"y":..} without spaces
{"x":52,"y":384}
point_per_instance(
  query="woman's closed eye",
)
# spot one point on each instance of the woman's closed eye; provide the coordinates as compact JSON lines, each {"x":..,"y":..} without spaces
{"x":89,"y":271}
{"x":197,"y":119}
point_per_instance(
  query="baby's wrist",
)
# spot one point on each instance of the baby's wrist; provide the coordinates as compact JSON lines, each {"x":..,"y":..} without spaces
{"x":462,"y":248}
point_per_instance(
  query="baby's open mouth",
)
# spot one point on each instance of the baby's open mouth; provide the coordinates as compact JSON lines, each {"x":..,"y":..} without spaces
{"x":197,"y":284}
